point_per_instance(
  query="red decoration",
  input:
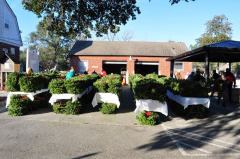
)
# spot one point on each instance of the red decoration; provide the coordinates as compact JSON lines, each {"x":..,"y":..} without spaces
{"x":148,"y":113}
{"x":42,"y":99}
{"x":23,"y":97}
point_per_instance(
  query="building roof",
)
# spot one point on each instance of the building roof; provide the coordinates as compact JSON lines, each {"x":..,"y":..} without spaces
{"x":225,"y":51}
{"x":128,"y":48}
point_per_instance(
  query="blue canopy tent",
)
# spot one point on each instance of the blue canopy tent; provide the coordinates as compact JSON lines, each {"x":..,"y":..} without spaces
{"x":225,"y":51}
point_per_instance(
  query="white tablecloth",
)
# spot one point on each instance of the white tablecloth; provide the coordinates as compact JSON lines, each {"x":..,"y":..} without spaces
{"x":57,"y":97}
{"x":106,"y":98}
{"x":151,"y":105}
{"x":30,"y":95}
{"x":186,"y":101}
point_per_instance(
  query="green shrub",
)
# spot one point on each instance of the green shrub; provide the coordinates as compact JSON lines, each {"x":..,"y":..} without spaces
{"x":19,"y":105}
{"x":110,"y":84}
{"x":187,"y":88}
{"x":76,"y":85}
{"x":134,"y":78}
{"x":152,"y":75}
{"x":148,"y":118}
{"x":67,"y":107}
{"x":12,"y":84}
{"x":28,"y":84}
{"x":57,"y":86}
{"x":149,"y":89}
{"x":108,"y":108}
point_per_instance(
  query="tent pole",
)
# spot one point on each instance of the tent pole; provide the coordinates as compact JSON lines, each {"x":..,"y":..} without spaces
{"x":171,"y":68}
{"x":230,"y":66}
{"x":206,"y":68}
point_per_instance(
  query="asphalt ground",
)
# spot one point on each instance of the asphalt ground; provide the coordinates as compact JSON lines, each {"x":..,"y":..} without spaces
{"x":44,"y":134}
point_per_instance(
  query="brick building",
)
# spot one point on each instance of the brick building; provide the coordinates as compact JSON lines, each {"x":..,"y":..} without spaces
{"x":132,"y":57}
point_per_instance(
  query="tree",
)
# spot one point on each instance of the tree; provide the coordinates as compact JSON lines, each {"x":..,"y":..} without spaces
{"x":52,"y":48}
{"x":218,"y":29}
{"x":176,"y":1}
{"x":71,"y":17}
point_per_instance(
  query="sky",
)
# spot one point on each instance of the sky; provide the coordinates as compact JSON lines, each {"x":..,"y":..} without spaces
{"x":159,"y":21}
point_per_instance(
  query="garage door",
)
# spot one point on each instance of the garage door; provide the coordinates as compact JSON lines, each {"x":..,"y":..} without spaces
{"x":82,"y":66}
{"x":142,"y":67}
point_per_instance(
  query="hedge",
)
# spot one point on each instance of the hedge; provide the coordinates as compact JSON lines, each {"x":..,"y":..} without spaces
{"x":12,"y":84}
{"x":110,"y":84}
{"x":148,"y":118}
{"x":67,"y":107}
{"x":108,"y":108}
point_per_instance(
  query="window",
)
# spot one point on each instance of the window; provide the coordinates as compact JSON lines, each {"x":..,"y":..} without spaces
{"x":6,"y":24}
{"x":13,"y":51}
{"x":178,"y":66}
{"x":5,"y":50}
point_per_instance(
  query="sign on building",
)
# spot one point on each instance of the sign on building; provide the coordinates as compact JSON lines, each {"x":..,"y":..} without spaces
{"x":32,"y":60}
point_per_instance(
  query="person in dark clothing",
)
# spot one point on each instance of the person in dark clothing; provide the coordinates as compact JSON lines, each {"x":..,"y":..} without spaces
{"x":222,"y":89}
{"x":230,"y":81}
{"x":198,"y":77}
{"x":215,"y":77}
{"x":85,"y":72}
{"x":94,"y":72}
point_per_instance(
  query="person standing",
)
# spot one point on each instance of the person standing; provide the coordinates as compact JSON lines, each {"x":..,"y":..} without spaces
{"x":103,"y":73}
{"x":215,"y":77}
{"x":230,"y":81}
{"x":70,"y":73}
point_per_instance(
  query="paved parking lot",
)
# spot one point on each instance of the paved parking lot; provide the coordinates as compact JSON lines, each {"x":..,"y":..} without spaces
{"x":93,"y":135}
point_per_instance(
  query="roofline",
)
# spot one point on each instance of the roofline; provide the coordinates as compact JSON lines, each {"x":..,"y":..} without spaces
{"x":188,"y":53}
{"x":122,"y":55}
{"x":21,"y":43}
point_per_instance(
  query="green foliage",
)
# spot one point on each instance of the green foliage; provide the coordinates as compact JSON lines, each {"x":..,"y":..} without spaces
{"x":110,"y":84}
{"x":80,"y":17}
{"x":75,"y":85}
{"x":67,"y":107}
{"x":108,"y":108}
{"x":176,"y":1}
{"x":32,"y":83}
{"x":187,"y":88}
{"x":57,"y":86}
{"x":218,"y":29}
{"x":148,"y":88}
{"x":148,"y":118}
{"x":12,"y":84}
{"x":134,"y":78}
{"x":19,"y":105}
{"x":152,"y":75}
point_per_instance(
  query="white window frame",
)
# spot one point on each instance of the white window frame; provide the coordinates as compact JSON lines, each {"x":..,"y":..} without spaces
{"x":179,"y":69}
{"x":6,"y":24}
{"x":86,"y":68}
{"x":5,"y":50}
{"x":12,"y":50}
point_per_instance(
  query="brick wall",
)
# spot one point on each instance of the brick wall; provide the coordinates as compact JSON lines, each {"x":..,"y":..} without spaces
{"x":95,"y":63}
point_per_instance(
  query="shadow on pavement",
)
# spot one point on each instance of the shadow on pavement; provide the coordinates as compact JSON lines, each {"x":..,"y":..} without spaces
{"x":221,"y":123}
{"x":86,"y":156}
